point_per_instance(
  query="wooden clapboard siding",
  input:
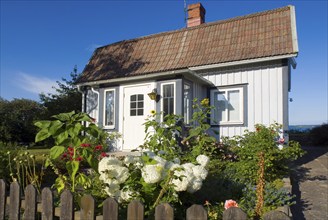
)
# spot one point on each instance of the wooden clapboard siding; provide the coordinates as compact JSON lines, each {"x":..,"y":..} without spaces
{"x":265,"y":94}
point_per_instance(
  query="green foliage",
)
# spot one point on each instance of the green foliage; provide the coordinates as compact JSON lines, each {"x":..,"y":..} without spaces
{"x":78,"y":143}
{"x":274,"y":197}
{"x":278,"y":154}
{"x":17,"y":118}
{"x":66,"y":99}
{"x":319,"y":135}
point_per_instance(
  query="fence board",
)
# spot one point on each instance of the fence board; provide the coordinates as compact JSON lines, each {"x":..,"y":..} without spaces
{"x":110,"y":209}
{"x":47,"y":204}
{"x":66,"y":206}
{"x":196,"y":212}
{"x":135,"y":211}
{"x":30,"y":202}
{"x":234,"y":213}
{"x":275,"y":215}
{"x":164,"y":212}
{"x":15,"y":202}
{"x":87,"y":208}
{"x":3,"y":197}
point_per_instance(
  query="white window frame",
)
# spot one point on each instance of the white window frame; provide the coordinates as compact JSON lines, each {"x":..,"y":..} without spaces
{"x":241,"y":104}
{"x":104,"y":114}
{"x":189,"y":116}
{"x":174,"y":96}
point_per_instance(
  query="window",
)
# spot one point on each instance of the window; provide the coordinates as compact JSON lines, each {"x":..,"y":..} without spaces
{"x":136,"y":105}
{"x":187,"y":105}
{"x":228,"y":106}
{"x":109,"y":118}
{"x":168,"y":99}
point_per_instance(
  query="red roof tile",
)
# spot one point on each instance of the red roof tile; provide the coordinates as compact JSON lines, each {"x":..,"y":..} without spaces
{"x":263,"y":34}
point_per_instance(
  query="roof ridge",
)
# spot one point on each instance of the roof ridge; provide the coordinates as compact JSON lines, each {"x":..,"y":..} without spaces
{"x":242,"y":17}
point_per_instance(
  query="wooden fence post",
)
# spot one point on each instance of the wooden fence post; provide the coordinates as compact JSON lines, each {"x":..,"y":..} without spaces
{"x":275,"y":215}
{"x":87,"y":211}
{"x":30,"y":202}
{"x":15,"y":201}
{"x":196,"y":212}
{"x":110,"y":209}
{"x":234,"y":213}
{"x":66,"y":206}
{"x":135,"y":211}
{"x":3,"y":197}
{"x":164,"y":212}
{"x":47,"y":204}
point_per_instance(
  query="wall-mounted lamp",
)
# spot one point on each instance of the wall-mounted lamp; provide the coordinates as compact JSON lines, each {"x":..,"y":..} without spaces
{"x":153,"y":95}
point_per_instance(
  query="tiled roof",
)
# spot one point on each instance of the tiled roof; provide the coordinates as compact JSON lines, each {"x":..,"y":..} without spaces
{"x":259,"y":35}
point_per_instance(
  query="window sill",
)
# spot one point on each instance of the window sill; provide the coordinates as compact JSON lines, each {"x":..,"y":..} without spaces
{"x":228,"y":123}
{"x":109,"y":127}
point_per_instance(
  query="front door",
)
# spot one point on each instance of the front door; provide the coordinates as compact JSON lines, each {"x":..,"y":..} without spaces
{"x":137,"y":106}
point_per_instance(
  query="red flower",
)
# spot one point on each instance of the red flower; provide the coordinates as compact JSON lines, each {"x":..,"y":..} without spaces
{"x":79,"y":158}
{"x":103,"y":154}
{"x":64,"y":155}
{"x":230,"y":203}
{"x":98,"y":147}
{"x":85,"y":145}
{"x":70,"y":149}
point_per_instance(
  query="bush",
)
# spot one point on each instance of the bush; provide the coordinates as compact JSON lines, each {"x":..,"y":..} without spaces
{"x":319,"y":135}
{"x":268,"y":140}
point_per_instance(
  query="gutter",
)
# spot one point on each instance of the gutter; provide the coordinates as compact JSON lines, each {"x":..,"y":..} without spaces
{"x":241,"y":62}
{"x":132,"y":78}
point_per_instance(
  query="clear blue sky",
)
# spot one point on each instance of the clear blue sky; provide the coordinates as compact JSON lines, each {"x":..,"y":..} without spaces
{"x":41,"y":41}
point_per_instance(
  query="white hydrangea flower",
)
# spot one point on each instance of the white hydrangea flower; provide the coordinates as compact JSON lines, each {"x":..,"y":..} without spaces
{"x":176,"y":160}
{"x":126,"y":195}
{"x":188,"y":166}
{"x":112,"y":190}
{"x":152,"y":173}
{"x":203,"y":160}
{"x":107,"y":161}
{"x":128,"y":159}
{"x":183,"y":178}
{"x":159,"y":160}
{"x":200,"y":172}
{"x":195,"y":185}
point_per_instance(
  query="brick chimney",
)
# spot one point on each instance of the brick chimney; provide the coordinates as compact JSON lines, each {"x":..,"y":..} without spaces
{"x":196,"y":15}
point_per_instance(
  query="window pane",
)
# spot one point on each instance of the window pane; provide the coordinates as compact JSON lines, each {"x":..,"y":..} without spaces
{"x":140,"y":104}
{"x":133,"y":112}
{"x":233,"y":105}
{"x":168,"y":99}
{"x":220,"y":106}
{"x":140,"y":112}
{"x":109,"y":108}
{"x":133,"y":98}
{"x":133,"y":105}
{"x":187,"y":103}
{"x":140,"y":97}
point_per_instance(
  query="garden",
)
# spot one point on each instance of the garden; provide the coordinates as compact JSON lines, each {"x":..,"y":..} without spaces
{"x":178,"y":164}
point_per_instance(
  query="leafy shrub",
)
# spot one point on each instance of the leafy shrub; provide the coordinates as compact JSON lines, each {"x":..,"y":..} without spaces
{"x":319,"y":135}
{"x":278,"y":153}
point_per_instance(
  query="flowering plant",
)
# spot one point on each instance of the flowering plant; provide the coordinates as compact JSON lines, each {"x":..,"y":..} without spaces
{"x":230,"y":203}
{"x":151,"y":178}
{"x":78,"y":143}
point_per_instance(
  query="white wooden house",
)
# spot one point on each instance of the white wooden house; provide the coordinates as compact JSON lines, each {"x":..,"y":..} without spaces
{"x":242,"y":65}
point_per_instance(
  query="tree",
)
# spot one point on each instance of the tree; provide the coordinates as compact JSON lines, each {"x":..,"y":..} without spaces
{"x":17,"y":119}
{"x":66,"y":99}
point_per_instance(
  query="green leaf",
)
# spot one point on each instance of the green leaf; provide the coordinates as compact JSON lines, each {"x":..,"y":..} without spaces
{"x":56,"y":151}
{"x":42,"y":134}
{"x":42,"y":124}
{"x":61,"y":137}
{"x":64,"y":116}
{"x":72,"y":168}
{"x":55,"y":126}
{"x":59,"y":184}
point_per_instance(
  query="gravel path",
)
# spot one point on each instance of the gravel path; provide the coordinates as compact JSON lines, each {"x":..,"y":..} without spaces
{"x":310,"y":185}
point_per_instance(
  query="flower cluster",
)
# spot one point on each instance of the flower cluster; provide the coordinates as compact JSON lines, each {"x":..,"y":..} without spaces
{"x":152,"y":171}
{"x":230,"y":203}
{"x":78,"y":153}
